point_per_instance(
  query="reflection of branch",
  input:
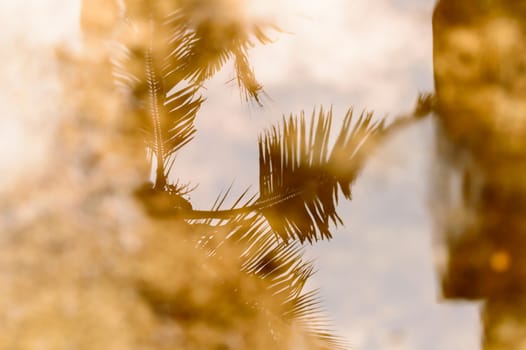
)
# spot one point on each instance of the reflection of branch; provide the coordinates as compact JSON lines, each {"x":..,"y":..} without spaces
{"x":425,"y":105}
{"x":161,"y":203}
{"x":231,"y":213}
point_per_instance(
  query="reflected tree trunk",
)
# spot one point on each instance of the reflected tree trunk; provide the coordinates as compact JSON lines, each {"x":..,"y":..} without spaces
{"x":480,"y":78}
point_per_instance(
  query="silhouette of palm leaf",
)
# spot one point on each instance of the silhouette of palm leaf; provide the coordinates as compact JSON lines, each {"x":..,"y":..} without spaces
{"x":283,"y":272}
{"x":282,"y":266}
{"x":201,"y":45}
{"x":297,"y":169}
{"x":164,"y":112}
{"x":300,"y":174}
{"x":278,"y":264}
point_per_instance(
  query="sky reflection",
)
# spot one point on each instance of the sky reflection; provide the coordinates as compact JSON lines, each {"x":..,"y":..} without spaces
{"x":377,"y":276}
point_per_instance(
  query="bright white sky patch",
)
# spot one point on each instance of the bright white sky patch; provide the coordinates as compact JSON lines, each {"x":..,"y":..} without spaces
{"x":30,"y":89}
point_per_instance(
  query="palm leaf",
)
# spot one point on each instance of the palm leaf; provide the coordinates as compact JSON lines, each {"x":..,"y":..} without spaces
{"x":283,"y":272}
{"x":201,"y":45}
{"x":170,"y":118}
{"x":300,"y":174}
{"x":164,"y":112}
{"x":279,"y":265}
{"x":282,"y":266}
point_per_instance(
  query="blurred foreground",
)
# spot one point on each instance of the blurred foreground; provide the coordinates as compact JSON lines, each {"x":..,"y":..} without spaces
{"x":480,"y":187}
